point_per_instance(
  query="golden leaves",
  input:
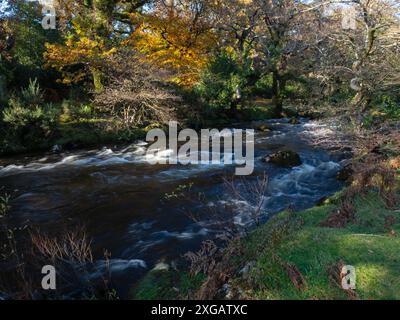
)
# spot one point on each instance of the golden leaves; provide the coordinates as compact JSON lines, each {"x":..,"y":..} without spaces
{"x":75,"y":51}
{"x":175,"y":42}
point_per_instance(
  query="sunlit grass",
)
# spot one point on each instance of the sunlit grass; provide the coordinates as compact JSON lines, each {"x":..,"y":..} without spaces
{"x":365,"y":244}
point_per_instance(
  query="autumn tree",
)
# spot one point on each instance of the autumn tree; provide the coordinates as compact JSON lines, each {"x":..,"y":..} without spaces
{"x":178,"y":35}
{"x":92,"y":29}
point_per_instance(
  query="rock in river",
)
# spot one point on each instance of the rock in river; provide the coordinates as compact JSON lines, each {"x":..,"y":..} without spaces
{"x":286,"y":158}
{"x":263,"y":128}
{"x":294,"y":121}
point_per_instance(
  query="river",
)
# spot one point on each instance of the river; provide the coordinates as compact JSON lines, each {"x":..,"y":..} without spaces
{"x":132,"y":208}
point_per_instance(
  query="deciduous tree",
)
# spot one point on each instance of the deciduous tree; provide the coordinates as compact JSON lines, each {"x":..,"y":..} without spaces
{"x":178,"y":35}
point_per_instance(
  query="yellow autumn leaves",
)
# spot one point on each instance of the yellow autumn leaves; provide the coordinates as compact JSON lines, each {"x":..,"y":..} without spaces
{"x":174,"y":40}
{"x":76,"y":51}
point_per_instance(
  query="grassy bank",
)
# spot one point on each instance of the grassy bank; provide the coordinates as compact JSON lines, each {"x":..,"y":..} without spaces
{"x":303,"y":262}
{"x":67,"y":135}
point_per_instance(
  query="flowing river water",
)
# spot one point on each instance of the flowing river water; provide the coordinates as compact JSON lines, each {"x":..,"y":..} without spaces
{"x":132,"y":209}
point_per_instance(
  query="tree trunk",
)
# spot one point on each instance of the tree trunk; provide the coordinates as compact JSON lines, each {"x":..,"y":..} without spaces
{"x":97,"y":81}
{"x":360,"y":105}
{"x":3,"y":88}
{"x":234,"y":103}
{"x":277,"y":89}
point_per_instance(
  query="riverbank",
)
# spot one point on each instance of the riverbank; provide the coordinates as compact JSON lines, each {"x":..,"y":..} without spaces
{"x":91,"y":130}
{"x":306,"y":262}
{"x":301,"y":255}
{"x":85,"y":133}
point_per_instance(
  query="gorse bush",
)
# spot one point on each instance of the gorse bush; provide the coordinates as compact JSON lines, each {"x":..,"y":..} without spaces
{"x":19,"y":117}
{"x":32,"y":95}
{"x":27,"y":119}
{"x":73,"y":112}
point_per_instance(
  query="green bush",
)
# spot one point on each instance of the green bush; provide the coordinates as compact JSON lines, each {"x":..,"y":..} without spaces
{"x":383,"y":107}
{"x":390,"y":106}
{"x":21,"y":117}
{"x":75,"y":112}
{"x":219,"y":83}
{"x":31,"y":96}
{"x":297,"y":89}
{"x":263,"y":86}
{"x":28,"y":121}
{"x":342,"y":95}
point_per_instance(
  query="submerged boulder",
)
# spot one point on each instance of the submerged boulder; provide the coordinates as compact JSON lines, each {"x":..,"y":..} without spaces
{"x":286,"y":158}
{"x":294,"y":121}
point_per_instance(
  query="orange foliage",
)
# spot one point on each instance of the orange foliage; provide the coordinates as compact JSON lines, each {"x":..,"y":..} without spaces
{"x":177,"y":40}
{"x":395,"y":163}
{"x":76,"y":51}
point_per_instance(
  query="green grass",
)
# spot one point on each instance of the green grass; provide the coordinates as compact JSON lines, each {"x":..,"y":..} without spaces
{"x":365,"y":244}
{"x":166,"y":285}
